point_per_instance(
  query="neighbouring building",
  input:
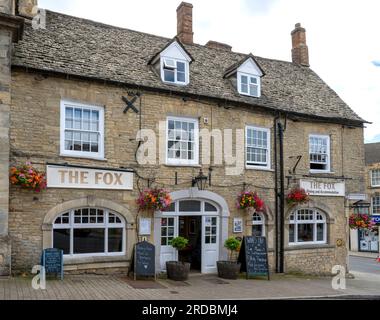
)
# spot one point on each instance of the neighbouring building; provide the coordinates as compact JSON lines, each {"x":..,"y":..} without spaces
{"x":74,"y":94}
{"x":368,"y":240}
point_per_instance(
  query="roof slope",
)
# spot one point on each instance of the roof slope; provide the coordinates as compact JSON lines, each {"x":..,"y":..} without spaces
{"x":82,"y":47}
{"x":372,"y":153}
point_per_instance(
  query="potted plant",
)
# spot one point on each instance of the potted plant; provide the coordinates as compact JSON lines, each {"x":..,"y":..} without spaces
{"x":27,"y":177}
{"x":154,"y":199}
{"x":297,"y":196}
{"x":230,"y":269}
{"x":249,"y":199}
{"x":178,"y":270}
{"x":360,"y":221}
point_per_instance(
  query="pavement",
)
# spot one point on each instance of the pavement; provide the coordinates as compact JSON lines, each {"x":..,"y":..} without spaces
{"x":365,"y":285}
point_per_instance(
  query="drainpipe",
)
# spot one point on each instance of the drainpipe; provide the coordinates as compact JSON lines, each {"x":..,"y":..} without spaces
{"x":281,"y":200}
{"x":278,"y":246}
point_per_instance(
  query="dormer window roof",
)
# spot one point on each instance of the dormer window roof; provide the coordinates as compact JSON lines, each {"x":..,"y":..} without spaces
{"x":173,"y":64}
{"x":246,"y":75}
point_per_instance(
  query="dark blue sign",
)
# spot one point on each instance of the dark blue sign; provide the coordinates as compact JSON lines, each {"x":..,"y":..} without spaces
{"x":376,"y":219}
{"x":52,"y":260}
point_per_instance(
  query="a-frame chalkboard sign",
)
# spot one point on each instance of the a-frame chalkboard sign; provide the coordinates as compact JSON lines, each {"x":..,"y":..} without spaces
{"x":52,"y":261}
{"x":143,"y":260}
{"x":253,"y":257}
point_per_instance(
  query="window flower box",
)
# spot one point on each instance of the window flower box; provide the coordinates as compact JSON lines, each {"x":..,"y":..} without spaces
{"x":27,"y":177}
{"x":154,"y":199}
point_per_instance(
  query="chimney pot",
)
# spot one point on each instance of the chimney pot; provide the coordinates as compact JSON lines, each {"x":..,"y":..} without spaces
{"x":218,"y":45}
{"x":185,"y":23}
{"x":300,"y":51}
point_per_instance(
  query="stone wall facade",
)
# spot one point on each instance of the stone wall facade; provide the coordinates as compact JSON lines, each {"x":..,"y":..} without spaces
{"x":35,"y":137}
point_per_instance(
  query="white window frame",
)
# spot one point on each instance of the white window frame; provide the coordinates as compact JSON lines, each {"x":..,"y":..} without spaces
{"x":176,"y":82}
{"x":372,"y":184}
{"x":239,"y":83}
{"x":377,"y":205}
{"x":183,"y":162}
{"x":253,"y":166}
{"x":314,"y":221}
{"x":81,"y":154}
{"x":328,"y":164}
{"x":259,"y":223}
{"x":106,"y":225}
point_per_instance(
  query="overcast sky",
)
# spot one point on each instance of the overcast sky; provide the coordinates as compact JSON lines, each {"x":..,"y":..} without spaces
{"x":342,"y":35}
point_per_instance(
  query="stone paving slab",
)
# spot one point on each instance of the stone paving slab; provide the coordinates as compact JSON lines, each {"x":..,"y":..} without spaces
{"x":204,"y":287}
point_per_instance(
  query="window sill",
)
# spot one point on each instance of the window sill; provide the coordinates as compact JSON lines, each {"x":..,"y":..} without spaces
{"x":65,"y":155}
{"x":308,"y":247}
{"x":73,"y":260}
{"x":175,"y":84}
{"x":183,"y":165}
{"x":321,"y":172}
{"x":259,"y":168}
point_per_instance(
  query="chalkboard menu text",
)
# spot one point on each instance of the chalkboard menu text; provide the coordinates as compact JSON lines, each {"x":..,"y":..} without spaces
{"x":254,"y":257}
{"x":52,"y":261}
{"x":144,"y":260}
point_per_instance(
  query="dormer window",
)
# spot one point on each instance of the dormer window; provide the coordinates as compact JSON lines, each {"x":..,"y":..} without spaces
{"x":172,"y":64}
{"x":174,"y":71}
{"x":246,"y":76}
{"x":249,"y":85}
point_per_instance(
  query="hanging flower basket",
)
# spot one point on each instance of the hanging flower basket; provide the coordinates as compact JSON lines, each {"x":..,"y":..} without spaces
{"x":154,"y":199}
{"x":297,"y":196}
{"x":249,"y":199}
{"x":28,"y":177}
{"x":360,"y":221}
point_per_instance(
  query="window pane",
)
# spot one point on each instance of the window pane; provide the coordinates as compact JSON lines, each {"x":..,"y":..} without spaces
{"x":190,"y":206}
{"x":209,"y":207}
{"x":253,"y":90}
{"x":320,"y":232}
{"x":291,"y":233}
{"x":257,"y":230}
{"x":61,"y":240}
{"x":181,"y":77}
{"x":88,"y":241}
{"x":171,"y":208}
{"x":180,"y":66}
{"x":305,"y":232}
{"x":169,"y":75}
{"x":115,"y":240}
{"x":244,"y":79}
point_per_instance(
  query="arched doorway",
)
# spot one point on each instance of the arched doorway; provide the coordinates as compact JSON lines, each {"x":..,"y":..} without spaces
{"x":201,"y":217}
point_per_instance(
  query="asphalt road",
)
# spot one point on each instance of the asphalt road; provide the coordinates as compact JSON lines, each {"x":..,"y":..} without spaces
{"x":362,"y":264}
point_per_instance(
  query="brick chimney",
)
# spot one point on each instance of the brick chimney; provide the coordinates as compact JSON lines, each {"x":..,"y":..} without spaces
{"x":218,"y":45}
{"x":27,"y":8}
{"x":300,"y":52}
{"x":185,"y":23}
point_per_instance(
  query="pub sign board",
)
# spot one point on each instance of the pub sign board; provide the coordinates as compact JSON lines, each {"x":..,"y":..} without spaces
{"x":253,"y":257}
{"x":144,"y":260}
{"x":52,"y":261}
{"x":60,"y":176}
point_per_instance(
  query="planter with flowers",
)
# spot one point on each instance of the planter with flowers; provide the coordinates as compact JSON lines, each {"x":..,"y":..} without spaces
{"x":27,"y":177}
{"x":249,"y":199}
{"x":360,"y":221}
{"x":154,"y":199}
{"x":297,"y":196}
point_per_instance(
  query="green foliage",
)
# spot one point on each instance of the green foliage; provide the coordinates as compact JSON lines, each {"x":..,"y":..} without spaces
{"x":232,"y":244}
{"x":179,"y":243}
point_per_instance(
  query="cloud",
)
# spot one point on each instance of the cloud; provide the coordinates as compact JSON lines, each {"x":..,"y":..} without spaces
{"x":259,"y":7}
{"x":376,"y":63}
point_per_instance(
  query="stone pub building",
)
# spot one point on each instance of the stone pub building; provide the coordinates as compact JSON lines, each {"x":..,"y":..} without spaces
{"x":65,"y":84}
